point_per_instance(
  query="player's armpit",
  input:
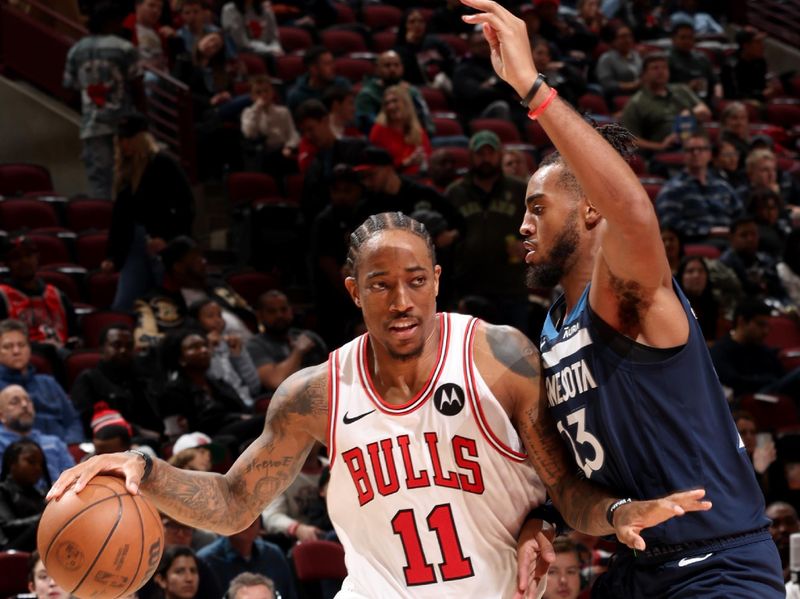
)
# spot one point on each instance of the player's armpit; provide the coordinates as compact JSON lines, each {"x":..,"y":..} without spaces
{"x":297,"y":416}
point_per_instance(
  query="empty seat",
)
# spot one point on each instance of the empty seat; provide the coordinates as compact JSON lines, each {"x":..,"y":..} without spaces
{"x":652,"y":185}
{"x":91,"y":249}
{"x":77,"y":362}
{"x":251,"y":284}
{"x":22,"y":178}
{"x":381,"y":16}
{"x":770,"y":411}
{"x":51,"y":249}
{"x":294,"y":38}
{"x":783,"y":333}
{"x":383,"y":41}
{"x":289,"y":67}
{"x":93,"y":325}
{"x":700,"y":249}
{"x":343,"y":41}
{"x":318,"y":560}
{"x":243,"y":188}
{"x":458,"y":44}
{"x":435,"y":99}
{"x":506,"y":131}
{"x":354,"y":69}
{"x":101,"y":288}
{"x":593,"y":103}
{"x":253,"y":63}
{"x":784,"y":113}
{"x":27,"y":213}
{"x":448,"y":127}
{"x":85,"y":213}
{"x":14,"y":568}
{"x":536,"y":135}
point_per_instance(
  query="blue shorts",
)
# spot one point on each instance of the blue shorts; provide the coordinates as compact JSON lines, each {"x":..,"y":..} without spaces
{"x":739,"y":571}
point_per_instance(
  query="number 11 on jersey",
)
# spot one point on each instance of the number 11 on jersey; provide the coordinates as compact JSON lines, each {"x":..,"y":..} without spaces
{"x":418,"y":570}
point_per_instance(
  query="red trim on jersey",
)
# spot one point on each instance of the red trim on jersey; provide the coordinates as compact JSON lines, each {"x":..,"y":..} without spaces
{"x":422,"y":396}
{"x":333,"y":403}
{"x":477,"y":409}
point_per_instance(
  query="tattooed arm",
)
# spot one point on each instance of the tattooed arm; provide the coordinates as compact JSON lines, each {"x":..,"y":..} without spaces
{"x":510,"y":364}
{"x":226,"y":504}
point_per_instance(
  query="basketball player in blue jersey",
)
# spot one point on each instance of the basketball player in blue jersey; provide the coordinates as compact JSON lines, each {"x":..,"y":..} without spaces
{"x":628,"y":378}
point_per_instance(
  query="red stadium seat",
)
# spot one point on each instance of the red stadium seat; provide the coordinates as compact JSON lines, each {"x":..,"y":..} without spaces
{"x":381,"y":16}
{"x":383,"y":40}
{"x":21,"y":178}
{"x":289,"y":67}
{"x":354,"y":69}
{"x":63,"y":282}
{"x":790,"y":358}
{"x":459,"y":45}
{"x":620,"y":102}
{"x":447,"y":126}
{"x":343,"y":41}
{"x":699,"y":249}
{"x":101,"y":288}
{"x":783,"y":333}
{"x":536,"y":135}
{"x":26,"y":213}
{"x":460,"y":156}
{"x":77,"y":362}
{"x":251,"y":284}
{"x":637,"y":164}
{"x":435,"y":99}
{"x":253,"y":63}
{"x":93,"y":325}
{"x":14,"y":566}
{"x":85,"y":213}
{"x":294,"y":39}
{"x":344,"y":14}
{"x":318,"y":560}
{"x":770,"y":411}
{"x":91,"y":249}
{"x":652,"y":185}
{"x":41,"y":364}
{"x":593,"y":103}
{"x":52,"y":250}
{"x":506,"y":131}
{"x":784,"y":113}
{"x":243,"y":188}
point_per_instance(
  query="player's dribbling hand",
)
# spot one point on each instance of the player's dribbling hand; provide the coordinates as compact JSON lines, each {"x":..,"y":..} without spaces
{"x":508,"y":39}
{"x":534,"y":556}
{"x":632,"y":518}
{"x":123,"y":465}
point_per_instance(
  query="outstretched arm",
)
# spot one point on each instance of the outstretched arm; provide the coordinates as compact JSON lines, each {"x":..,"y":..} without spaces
{"x":228,"y":503}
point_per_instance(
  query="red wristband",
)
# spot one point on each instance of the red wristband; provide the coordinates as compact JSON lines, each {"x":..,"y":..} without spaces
{"x":292,"y":530}
{"x":535,"y":114}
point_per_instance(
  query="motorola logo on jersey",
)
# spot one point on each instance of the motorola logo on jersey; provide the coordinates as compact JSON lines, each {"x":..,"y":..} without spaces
{"x":449,"y":399}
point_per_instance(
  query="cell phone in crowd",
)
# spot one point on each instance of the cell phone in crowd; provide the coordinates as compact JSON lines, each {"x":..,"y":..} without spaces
{"x":763,"y":439}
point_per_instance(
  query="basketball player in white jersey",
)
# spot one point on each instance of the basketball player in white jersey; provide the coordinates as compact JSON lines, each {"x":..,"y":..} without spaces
{"x":433,"y":435}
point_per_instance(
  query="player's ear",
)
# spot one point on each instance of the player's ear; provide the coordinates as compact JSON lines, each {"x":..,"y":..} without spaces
{"x":591,"y":216}
{"x":352,"y":288}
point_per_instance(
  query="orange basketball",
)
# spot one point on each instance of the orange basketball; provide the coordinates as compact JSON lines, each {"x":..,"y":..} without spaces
{"x":102,"y":543}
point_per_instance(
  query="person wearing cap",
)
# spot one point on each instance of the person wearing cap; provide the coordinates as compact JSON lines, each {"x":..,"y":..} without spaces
{"x":652,"y":111}
{"x":153,"y":204}
{"x":489,"y":203}
{"x":104,"y":68}
{"x":745,"y":73}
{"x":186,"y":281}
{"x":45,"y":309}
{"x":110,"y":431}
{"x":196,"y":451}
{"x":18,"y":421}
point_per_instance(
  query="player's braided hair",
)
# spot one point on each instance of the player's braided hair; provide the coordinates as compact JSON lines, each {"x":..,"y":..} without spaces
{"x":378,"y":223}
{"x":616,"y":135}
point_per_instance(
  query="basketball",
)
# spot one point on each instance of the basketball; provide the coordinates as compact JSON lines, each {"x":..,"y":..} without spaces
{"x":102,"y":543}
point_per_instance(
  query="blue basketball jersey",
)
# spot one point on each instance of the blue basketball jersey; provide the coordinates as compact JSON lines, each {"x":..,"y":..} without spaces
{"x":646,"y":428}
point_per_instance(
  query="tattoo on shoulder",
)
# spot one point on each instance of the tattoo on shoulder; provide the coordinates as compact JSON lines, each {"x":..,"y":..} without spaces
{"x":304,"y":394}
{"x":513,"y":350}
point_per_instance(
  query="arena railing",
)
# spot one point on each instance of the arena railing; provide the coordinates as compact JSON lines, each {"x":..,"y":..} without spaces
{"x":777,"y":18}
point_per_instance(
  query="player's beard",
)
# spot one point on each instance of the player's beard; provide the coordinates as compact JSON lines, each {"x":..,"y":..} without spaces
{"x":549,"y":273}
{"x":409,"y":355}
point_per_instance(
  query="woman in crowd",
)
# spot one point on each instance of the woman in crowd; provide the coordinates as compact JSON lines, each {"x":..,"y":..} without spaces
{"x":695,"y":279}
{"x":586,"y":27}
{"x":153,"y":204}
{"x":21,"y":502}
{"x":673,"y":245}
{"x":766,"y":206}
{"x":40,"y":583}
{"x":252,"y":26}
{"x":427,"y":60}
{"x":229,"y":360}
{"x":176,"y":574}
{"x":398,"y":130}
{"x":727,"y":163}
{"x":618,"y":70}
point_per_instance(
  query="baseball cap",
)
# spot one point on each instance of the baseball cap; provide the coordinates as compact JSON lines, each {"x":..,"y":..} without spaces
{"x":131,"y":124}
{"x":371,"y":157}
{"x":16,"y":244}
{"x":198,"y":439}
{"x":104,"y":417}
{"x":484,"y":138}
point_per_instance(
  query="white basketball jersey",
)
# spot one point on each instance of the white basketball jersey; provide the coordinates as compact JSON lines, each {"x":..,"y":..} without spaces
{"x":428,"y":497}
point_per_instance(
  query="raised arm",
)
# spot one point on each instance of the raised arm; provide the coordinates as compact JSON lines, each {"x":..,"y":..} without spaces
{"x":228,"y":503}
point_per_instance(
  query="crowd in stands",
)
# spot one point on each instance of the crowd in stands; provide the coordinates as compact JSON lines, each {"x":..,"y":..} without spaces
{"x":318,"y":114}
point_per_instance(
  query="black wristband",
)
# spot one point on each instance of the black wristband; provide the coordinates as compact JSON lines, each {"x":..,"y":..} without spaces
{"x":148,"y":462}
{"x":525,"y":102}
{"x":614,"y":507}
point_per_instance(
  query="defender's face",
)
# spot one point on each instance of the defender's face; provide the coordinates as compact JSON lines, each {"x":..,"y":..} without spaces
{"x":395,"y":286}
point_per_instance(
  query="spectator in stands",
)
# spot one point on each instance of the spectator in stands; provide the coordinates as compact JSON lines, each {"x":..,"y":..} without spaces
{"x":789,"y":268}
{"x":570,"y":80}
{"x":252,"y":26}
{"x":744,"y":363}
{"x":619,"y":69}
{"x":24,"y":296}
{"x":313,"y":121}
{"x":122,"y":382}
{"x":642,"y":16}
{"x":153,"y":205}
{"x":552,"y":26}
{"x":427,"y":60}
{"x":515,"y":164}
{"x":55,"y":413}
{"x":199,"y":402}
{"x":369,"y":101}
{"x":762,"y":454}
{"x":744,"y":75}
{"x":21,"y":500}
{"x":490,"y":242}
{"x":341,"y":105}
{"x":651,"y":113}
{"x":441,"y":169}
{"x":447,"y":18}
{"x":17,"y":422}
{"x":186,"y":280}
{"x":246,"y":552}
{"x":281,"y":349}
{"x":103,"y":67}
{"x":196,"y":451}
{"x":330,"y":233}
{"x":735,"y":128}
{"x":269,"y":128}
{"x":725,"y":160}
{"x":784,"y":524}
{"x":585,"y":27}
{"x":251,"y":586}
{"x":154,"y":40}
{"x":690,"y":66}
{"x":761,"y":167}
{"x":111,"y":433}
{"x":756,"y":270}
{"x":673,"y":246}
{"x":695,"y":280}
{"x":398,"y":130}
{"x":229,"y":361}
{"x":195,"y":26}
{"x":320,"y":75}
{"x":564,"y":574}
{"x":176,"y":574}
{"x":696,"y":202}
{"x":773,"y":225}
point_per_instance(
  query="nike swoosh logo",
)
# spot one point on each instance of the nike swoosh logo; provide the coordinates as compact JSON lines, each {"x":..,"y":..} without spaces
{"x":687,"y":561}
{"x":347,"y":420}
